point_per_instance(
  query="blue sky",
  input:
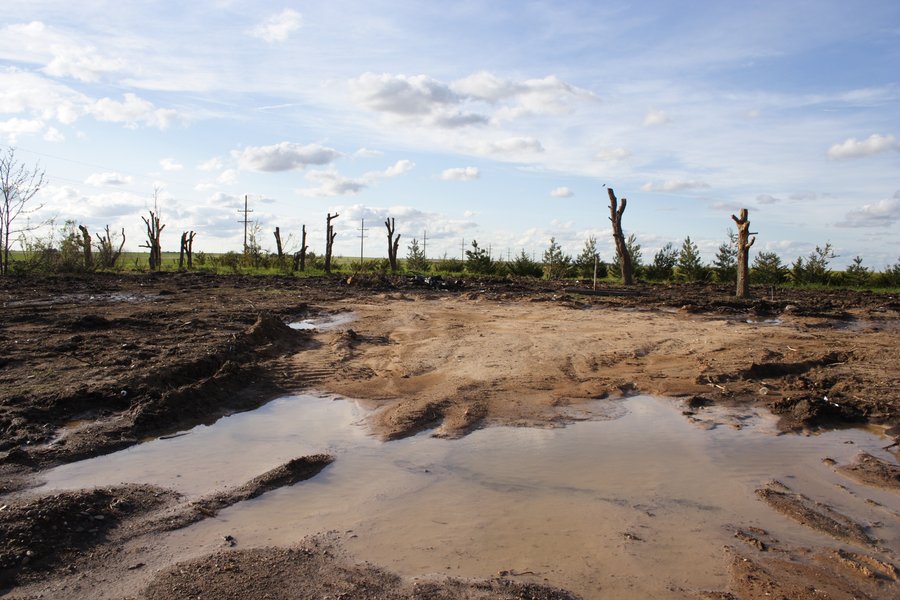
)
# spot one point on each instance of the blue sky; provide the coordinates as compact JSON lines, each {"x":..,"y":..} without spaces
{"x":496,"y":121}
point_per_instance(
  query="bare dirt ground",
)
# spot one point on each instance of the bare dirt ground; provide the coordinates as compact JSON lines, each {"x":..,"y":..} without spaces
{"x":89,"y":366}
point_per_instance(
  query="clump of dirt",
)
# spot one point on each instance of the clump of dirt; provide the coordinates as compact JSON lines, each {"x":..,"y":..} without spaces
{"x":42,"y":533}
{"x":317,"y":570}
{"x":871,"y":470}
{"x":293,"y":471}
{"x":814,"y":514}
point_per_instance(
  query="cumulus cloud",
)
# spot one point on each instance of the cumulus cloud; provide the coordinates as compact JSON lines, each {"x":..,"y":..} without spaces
{"x":13,"y":128}
{"x":228,"y":177}
{"x":399,"y":168}
{"x":37,"y":96}
{"x":169,"y":164}
{"x":562,"y":192}
{"x":278,"y":28}
{"x":853,"y":148}
{"x":367,"y":153}
{"x":213,"y":164}
{"x":109,"y":178}
{"x":878,"y":214}
{"x":767,"y":199}
{"x":331,"y":183}
{"x":54,"y":135}
{"x":655,"y":117}
{"x":402,"y":94}
{"x":613,"y":154}
{"x":285,"y":156}
{"x":461,"y":174}
{"x":513,"y":145}
{"x":133,"y":111}
{"x":409,"y":219}
{"x":673,"y":185}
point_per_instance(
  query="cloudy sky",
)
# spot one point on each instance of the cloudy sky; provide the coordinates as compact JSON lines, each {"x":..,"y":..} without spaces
{"x":496,"y":121}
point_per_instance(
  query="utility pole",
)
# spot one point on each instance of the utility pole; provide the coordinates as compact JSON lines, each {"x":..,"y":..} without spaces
{"x":362,"y":235}
{"x":424,"y":243}
{"x":462,"y":249}
{"x":246,"y":220}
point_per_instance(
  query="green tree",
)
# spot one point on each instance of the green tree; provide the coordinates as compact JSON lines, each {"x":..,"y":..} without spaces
{"x":815,"y":269}
{"x":725,"y":263}
{"x":18,"y":187}
{"x":634,"y":251}
{"x":415,"y":257}
{"x":690,"y":266}
{"x":523,"y":266}
{"x":556,"y":263}
{"x":584,"y":263}
{"x":478,"y":260}
{"x":857,"y":274}
{"x":767,"y":268}
{"x":663,"y":265}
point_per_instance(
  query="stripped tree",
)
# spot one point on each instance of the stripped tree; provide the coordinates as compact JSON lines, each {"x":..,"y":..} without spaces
{"x":187,"y":249}
{"x":86,"y":248}
{"x":154,"y":230}
{"x":106,"y":254}
{"x":393,"y":243}
{"x":744,"y":243}
{"x":615,"y":215}
{"x":278,"y":245}
{"x":329,"y":239}
{"x":300,"y":256}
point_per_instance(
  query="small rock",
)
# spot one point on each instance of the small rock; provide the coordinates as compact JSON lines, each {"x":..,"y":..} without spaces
{"x":763,"y":391}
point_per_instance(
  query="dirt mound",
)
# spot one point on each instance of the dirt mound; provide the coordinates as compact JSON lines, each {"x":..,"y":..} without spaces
{"x":872,"y":470}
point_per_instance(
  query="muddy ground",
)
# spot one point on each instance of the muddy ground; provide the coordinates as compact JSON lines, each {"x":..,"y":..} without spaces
{"x":92,"y":365}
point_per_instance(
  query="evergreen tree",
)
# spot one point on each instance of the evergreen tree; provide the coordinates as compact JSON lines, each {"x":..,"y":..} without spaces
{"x":690,"y":267}
{"x":584,"y":264}
{"x":634,"y":251}
{"x":523,"y":266}
{"x":415,"y":258}
{"x":556,"y":263}
{"x":478,"y":260}
{"x":857,"y":274}
{"x":767,"y":268}
{"x":663,"y":265}
{"x":725,"y":263}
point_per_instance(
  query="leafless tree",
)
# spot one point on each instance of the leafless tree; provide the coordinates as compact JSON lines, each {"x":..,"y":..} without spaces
{"x":19,"y":185}
{"x":744,"y":242}
{"x":329,"y":239}
{"x":300,"y":255}
{"x":107,"y":253}
{"x":86,"y":248}
{"x":393,"y":243}
{"x":615,"y":215}
{"x":154,"y":230}
{"x":187,"y":249}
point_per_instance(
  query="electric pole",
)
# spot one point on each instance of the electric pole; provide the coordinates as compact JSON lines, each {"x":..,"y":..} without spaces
{"x":362,"y":236}
{"x":246,"y":212}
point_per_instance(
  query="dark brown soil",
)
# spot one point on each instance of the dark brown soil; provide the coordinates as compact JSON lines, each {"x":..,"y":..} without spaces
{"x":871,"y":470}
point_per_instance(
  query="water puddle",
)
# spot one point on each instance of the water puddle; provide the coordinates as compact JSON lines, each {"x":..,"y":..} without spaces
{"x":638,"y":504}
{"x":325,"y":322}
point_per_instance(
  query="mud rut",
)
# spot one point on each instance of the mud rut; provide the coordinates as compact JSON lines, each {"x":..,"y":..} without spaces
{"x":132,"y":357}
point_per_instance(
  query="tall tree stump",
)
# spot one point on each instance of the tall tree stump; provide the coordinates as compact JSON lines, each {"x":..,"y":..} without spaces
{"x":393,"y":243}
{"x":615,"y":216}
{"x":329,"y":239}
{"x":744,"y":242}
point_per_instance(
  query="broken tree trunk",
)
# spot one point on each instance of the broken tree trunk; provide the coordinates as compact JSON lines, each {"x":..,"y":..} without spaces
{"x":108,"y":255}
{"x":278,"y":245}
{"x":300,"y":257}
{"x":154,"y":230}
{"x":744,"y":244}
{"x":329,"y":239}
{"x":393,"y":243}
{"x":615,"y":215}
{"x":86,"y":247}
{"x":187,"y":246}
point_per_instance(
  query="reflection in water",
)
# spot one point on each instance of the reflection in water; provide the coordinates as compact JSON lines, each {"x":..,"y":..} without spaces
{"x":637,"y":505}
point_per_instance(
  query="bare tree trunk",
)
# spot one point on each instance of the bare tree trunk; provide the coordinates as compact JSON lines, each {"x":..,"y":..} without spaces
{"x":108,"y":256}
{"x":615,"y":215}
{"x":86,"y":246}
{"x":300,"y":257}
{"x":744,"y":244}
{"x":181,"y":250}
{"x":278,"y":245}
{"x":189,"y":249}
{"x":329,"y":240}
{"x":154,"y":230}
{"x":393,"y":243}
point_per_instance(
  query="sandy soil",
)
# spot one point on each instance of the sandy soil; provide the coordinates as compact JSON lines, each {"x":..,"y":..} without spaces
{"x":88,"y":366}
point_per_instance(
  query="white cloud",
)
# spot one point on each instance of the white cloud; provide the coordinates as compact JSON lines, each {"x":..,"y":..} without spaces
{"x":655,"y":117}
{"x":767,"y":199}
{"x":278,"y":28}
{"x":399,"y":168}
{"x":331,"y":183}
{"x":853,"y":148}
{"x":470,"y":213}
{"x":133,"y":111}
{"x":673,"y":185}
{"x":562,"y":192}
{"x":169,"y":164}
{"x":109,"y":178}
{"x":461,"y":174}
{"x":15,"y":127}
{"x":228,"y":177}
{"x":213,"y":164}
{"x":367,"y":153}
{"x":285,"y":156}
{"x":402,"y":94}
{"x":879,"y":214}
{"x":205,"y":187}
{"x":54,"y":135}
{"x":613,"y":154}
{"x":513,"y":145}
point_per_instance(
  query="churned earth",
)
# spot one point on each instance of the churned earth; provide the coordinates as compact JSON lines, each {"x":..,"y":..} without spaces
{"x":92,"y":365}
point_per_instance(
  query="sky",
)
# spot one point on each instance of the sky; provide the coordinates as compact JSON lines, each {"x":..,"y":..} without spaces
{"x":501,"y":122}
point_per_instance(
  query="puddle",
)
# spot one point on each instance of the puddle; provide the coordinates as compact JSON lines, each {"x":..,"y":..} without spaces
{"x":325,"y":322}
{"x":638,"y":505}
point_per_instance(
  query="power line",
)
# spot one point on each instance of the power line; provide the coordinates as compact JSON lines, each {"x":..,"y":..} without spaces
{"x":246,"y":211}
